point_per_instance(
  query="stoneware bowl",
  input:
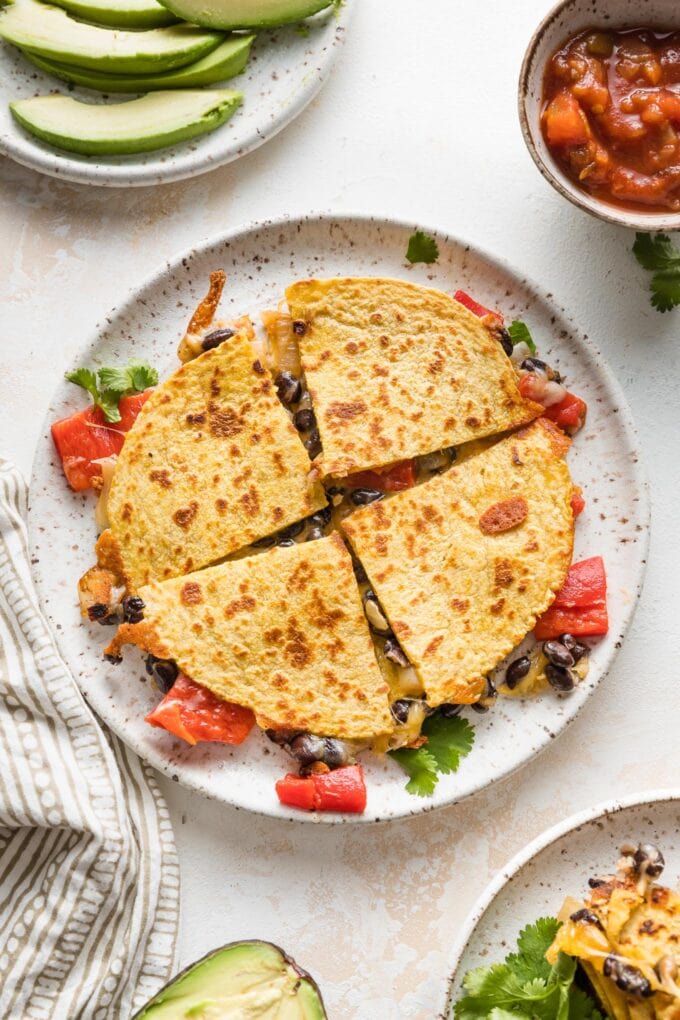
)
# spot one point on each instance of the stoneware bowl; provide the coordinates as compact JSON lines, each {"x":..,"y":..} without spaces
{"x":556,"y":864}
{"x":566,"y":19}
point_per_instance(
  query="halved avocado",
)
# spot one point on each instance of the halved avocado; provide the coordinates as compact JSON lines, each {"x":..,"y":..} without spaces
{"x":244,"y":979}
{"x":51,"y":33}
{"x":227,"y":60}
{"x":140,"y":125}
{"x":245,"y":13}
{"x":119,"y":13}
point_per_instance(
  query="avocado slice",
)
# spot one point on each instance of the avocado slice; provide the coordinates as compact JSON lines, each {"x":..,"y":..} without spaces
{"x":139,"y":125}
{"x":51,"y":33}
{"x":119,"y":13}
{"x":227,"y":60}
{"x":244,"y":979}
{"x":230,"y":14}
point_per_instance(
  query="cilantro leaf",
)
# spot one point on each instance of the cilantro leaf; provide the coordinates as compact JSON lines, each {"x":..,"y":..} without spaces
{"x":448,"y":740}
{"x":420,"y":766}
{"x":525,"y":985}
{"x":422,"y":248}
{"x":519,"y":334}
{"x":108,"y":385}
{"x":659,"y":256}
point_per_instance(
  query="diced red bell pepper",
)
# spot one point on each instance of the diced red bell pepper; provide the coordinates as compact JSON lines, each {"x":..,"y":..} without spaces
{"x":580,"y":606}
{"x":578,"y":503}
{"x":86,"y":436}
{"x":569,"y":414}
{"x":343,"y":789}
{"x":196,"y":714}
{"x":475,"y":307}
{"x":565,"y":122}
{"x":393,"y":479}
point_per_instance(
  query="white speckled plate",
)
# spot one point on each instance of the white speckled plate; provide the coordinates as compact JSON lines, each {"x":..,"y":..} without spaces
{"x":286,"y":69}
{"x":260,"y":260}
{"x":559,"y":863}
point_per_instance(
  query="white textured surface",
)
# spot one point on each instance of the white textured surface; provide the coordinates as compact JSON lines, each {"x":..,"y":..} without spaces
{"x":418,"y":119}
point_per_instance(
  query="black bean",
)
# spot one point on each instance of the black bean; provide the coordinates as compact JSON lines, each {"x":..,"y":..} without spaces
{"x":400,"y":710}
{"x":585,"y":916}
{"x":304,"y":420}
{"x":336,"y":753}
{"x":285,"y":543}
{"x":115,"y":660}
{"x":313,"y":444}
{"x":307,"y":748}
{"x":314,"y":534}
{"x":575,"y":647}
{"x":517,"y":670}
{"x":560,"y":679}
{"x":649,"y":860}
{"x":163,"y":671}
{"x":595,"y":883}
{"x":394,"y":653}
{"x":556,"y":653}
{"x":534,"y":365}
{"x":450,"y":711}
{"x":288,"y":387}
{"x":133,"y":609}
{"x":479,"y":707}
{"x":322,"y":517}
{"x":374,"y":614}
{"x":292,"y":530}
{"x":361,"y":497}
{"x":281,"y":737}
{"x":628,"y":979}
{"x":505,"y":341}
{"x":97,"y":612}
{"x":264,"y":543}
{"x":215,"y":338}
{"x":299,"y":327}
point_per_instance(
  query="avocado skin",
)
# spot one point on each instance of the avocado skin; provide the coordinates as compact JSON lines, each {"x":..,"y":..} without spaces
{"x":208,"y":70}
{"x":311,"y":1002}
{"x":211,"y":119}
{"x":195,"y":12}
{"x":153,"y":17}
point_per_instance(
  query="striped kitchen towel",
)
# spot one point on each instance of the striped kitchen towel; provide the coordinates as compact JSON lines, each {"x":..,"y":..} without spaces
{"x":89,"y":880}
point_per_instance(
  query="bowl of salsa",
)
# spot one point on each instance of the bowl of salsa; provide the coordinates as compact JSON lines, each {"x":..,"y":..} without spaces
{"x":599,"y":104}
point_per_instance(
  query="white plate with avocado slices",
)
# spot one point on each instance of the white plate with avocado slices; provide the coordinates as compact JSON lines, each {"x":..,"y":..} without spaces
{"x":147,"y":325}
{"x":557,"y":864}
{"x":128,"y":48}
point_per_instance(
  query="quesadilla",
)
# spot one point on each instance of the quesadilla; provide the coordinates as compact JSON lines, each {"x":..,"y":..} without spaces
{"x":281,"y":632}
{"x":464,"y":563}
{"x":396,"y":370}
{"x":626,"y":937}
{"x":211,"y":464}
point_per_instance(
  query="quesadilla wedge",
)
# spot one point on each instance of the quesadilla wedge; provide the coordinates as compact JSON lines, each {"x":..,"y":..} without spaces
{"x":396,"y":370}
{"x":211,"y":464}
{"x":282,"y":633}
{"x":464,"y":563}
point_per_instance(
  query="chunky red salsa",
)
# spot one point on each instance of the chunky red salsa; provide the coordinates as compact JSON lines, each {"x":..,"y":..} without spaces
{"x":611,"y":115}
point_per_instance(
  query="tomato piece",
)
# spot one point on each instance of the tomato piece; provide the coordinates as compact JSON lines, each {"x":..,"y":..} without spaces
{"x":474,"y":306}
{"x":584,"y":585}
{"x":343,"y":789}
{"x":532,"y":386}
{"x":564,"y":121}
{"x":578,"y":503}
{"x":196,"y":714}
{"x":569,"y":414}
{"x":393,"y":479}
{"x":86,"y":436}
{"x":583,"y":621}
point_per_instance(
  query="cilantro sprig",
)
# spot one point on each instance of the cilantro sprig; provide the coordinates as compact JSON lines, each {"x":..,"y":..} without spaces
{"x":106,"y":386}
{"x":519,"y":334}
{"x":525,"y":986}
{"x":448,"y":741}
{"x":659,"y":255}
{"x":422,"y":248}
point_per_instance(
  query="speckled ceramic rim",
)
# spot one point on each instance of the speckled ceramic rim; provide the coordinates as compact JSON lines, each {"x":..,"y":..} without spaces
{"x":53,"y":163}
{"x":546,"y":839}
{"x":612,"y":388}
{"x":551,"y":172}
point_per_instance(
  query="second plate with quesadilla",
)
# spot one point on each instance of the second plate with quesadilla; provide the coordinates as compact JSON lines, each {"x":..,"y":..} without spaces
{"x":508,"y":518}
